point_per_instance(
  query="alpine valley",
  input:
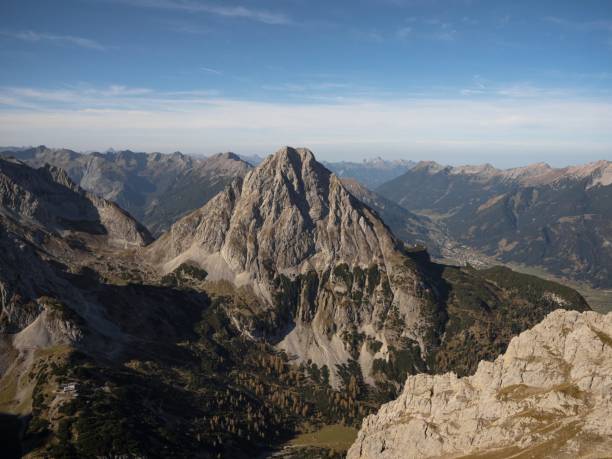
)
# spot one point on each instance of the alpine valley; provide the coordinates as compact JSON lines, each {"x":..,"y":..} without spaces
{"x":556,"y":219}
{"x":275,"y":305}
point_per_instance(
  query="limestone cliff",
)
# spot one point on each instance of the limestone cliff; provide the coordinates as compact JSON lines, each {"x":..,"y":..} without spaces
{"x":549,"y":395}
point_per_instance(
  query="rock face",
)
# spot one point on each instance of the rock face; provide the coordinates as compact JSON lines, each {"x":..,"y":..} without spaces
{"x":155,"y":188}
{"x":48,"y":197}
{"x":559,"y":219}
{"x":406,"y":225}
{"x":293,"y":232}
{"x":549,"y":395}
{"x":332,"y":284}
{"x":48,"y":223}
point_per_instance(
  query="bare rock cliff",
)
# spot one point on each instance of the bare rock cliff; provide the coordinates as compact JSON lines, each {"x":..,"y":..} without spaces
{"x":549,"y":395}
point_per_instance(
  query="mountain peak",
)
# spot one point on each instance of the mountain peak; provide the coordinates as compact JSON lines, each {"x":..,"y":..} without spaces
{"x":290,"y":155}
{"x":228,"y":155}
{"x":290,"y":213}
{"x":431,"y":167}
{"x":296,"y":168}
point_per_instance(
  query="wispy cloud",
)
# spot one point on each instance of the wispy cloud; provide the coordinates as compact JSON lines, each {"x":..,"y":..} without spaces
{"x":404,"y":32}
{"x":86,"y":117}
{"x":583,"y":26}
{"x":482,"y":87}
{"x":184,"y":27}
{"x":116,"y":97}
{"x":304,"y":87}
{"x":211,"y":70}
{"x":597,"y":26}
{"x":33,"y":37}
{"x":192,"y":6}
{"x":428,"y":28}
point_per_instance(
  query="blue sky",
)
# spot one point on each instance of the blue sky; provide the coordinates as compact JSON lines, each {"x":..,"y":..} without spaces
{"x":456,"y":81}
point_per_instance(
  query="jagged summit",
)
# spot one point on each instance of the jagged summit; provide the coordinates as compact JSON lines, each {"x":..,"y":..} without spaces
{"x":295,"y":163}
{"x":296,"y":210}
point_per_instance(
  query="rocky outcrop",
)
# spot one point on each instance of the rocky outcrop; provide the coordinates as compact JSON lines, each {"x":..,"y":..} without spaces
{"x":549,"y":395}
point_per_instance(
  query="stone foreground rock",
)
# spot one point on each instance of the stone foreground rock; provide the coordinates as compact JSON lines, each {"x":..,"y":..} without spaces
{"x":549,"y":395}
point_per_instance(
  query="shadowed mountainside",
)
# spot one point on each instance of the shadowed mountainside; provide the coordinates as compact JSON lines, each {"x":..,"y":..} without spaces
{"x":559,"y":219}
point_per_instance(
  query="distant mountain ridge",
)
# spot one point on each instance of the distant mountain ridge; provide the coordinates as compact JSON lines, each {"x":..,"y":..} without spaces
{"x":156,"y":188}
{"x":533,"y":174}
{"x":559,"y":219}
{"x":370,"y":172}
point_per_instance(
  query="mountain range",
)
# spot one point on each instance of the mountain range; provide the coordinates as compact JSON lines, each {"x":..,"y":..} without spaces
{"x":370,"y":172}
{"x":158,"y":189}
{"x":327,"y":271}
{"x":558,"y":219}
{"x":155,"y":188}
{"x":281,"y":303}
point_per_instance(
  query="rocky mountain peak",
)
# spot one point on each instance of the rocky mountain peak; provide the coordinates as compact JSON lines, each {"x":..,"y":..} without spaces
{"x":295,"y":209}
{"x":294,"y":163}
{"x":228,"y":155}
{"x":431,"y":167}
{"x":288,"y":180}
{"x":291,"y":218}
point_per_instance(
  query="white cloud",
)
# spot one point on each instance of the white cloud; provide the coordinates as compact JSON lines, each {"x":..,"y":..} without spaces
{"x":305,"y":87}
{"x":428,"y":29}
{"x":266,"y":17}
{"x":33,"y":37}
{"x":519,"y":90}
{"x":404,"y":32}
{"x":211,"y":70}
{"x":583,"y":26}
{"x":200,"y":121}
